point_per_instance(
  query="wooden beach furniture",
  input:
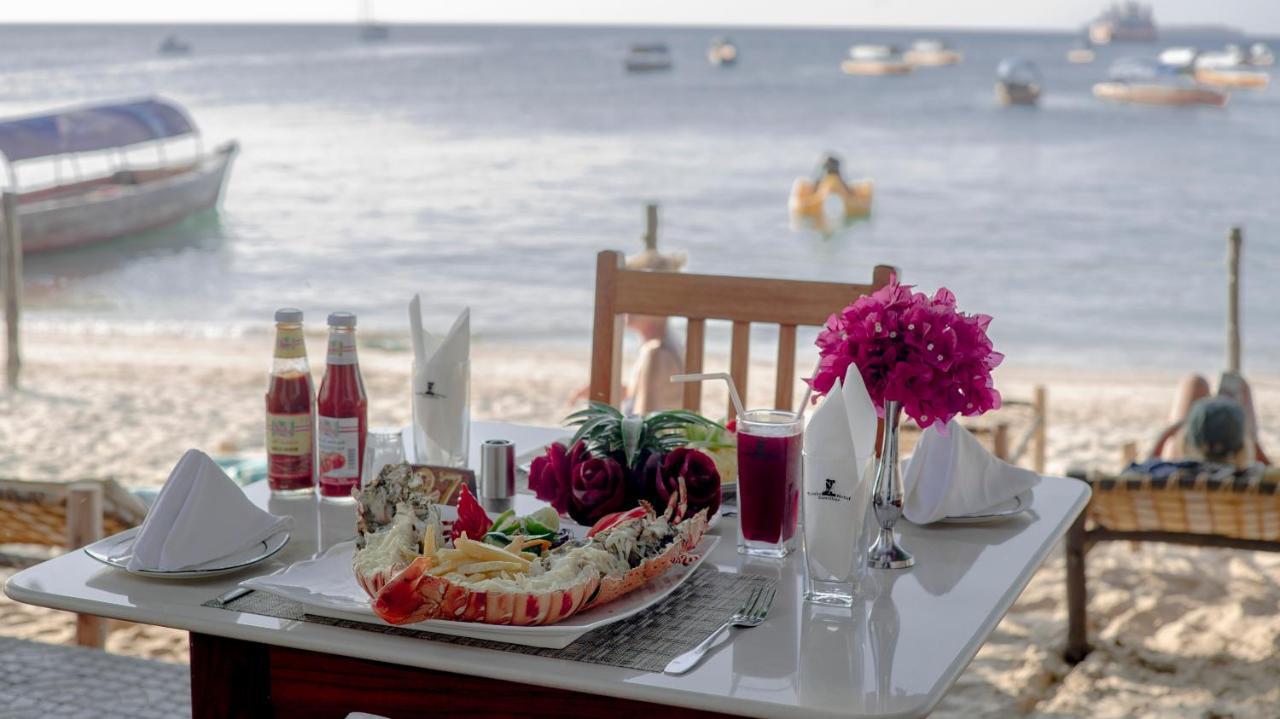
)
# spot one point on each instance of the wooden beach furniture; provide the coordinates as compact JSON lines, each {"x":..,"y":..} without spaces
{"x":744,"y":301}
{"x":1239,"y":510}
{"x":68,"y":515}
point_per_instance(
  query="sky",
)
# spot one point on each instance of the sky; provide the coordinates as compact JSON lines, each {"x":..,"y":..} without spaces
{"x":1251,"y":16}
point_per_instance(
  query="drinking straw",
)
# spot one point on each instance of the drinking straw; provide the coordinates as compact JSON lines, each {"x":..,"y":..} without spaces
{"x":733,"y":389}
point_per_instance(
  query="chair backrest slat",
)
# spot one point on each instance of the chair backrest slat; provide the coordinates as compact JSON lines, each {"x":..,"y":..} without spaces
{"x":695,"y":341}
{"x":741,"y":300}
{"x":783,"y":389}
{"x":739,"y":362}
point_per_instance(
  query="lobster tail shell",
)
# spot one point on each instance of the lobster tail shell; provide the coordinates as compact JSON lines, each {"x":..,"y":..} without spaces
{"x":413,"y":595}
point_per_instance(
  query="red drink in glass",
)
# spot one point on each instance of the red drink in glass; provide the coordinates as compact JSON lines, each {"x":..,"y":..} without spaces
{"x":344,"y":412}
{"x":769,"y":462}
{"x":290,"y":410}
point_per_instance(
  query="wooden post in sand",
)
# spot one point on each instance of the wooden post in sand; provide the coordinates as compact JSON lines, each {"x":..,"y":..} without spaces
{"x":84,"y":527}
{"x":11,"y":249}
{"x":651,"y":226}
{"x":1234,"y":241}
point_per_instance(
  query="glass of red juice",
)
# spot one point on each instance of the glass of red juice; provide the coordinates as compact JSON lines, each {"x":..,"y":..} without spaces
{"x":769,"y":460}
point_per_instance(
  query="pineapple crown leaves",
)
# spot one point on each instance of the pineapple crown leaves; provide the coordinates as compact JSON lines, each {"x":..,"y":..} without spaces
{"x":607,"y":431}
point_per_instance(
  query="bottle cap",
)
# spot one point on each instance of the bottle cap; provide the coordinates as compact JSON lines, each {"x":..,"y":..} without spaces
{"x":497,"y":483}
{"x":342,"y":319}
{"x":288,"y":314}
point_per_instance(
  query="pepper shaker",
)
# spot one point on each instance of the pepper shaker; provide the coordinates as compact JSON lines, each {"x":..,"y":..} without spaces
{"x":497,"y":475}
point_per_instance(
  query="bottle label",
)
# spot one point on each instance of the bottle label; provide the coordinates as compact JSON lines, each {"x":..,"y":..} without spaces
{"x":289,"y":434}
{"x":290,"y":344}
{"x":339,"y":444}
{"x":342,"y":348}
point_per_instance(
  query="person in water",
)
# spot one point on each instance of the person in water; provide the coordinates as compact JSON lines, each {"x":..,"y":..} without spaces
{"x":1220,"y":429}
{"x":649,"y":387}
{"x":831,"y":169}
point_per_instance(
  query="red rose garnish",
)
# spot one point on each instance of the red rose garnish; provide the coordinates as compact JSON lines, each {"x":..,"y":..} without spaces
{"x":701,"y":481}
{"x":599,"y":486}
{"x":549,"y":474}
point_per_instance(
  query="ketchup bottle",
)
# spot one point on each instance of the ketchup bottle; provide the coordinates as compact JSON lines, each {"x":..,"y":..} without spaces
{"x":290,"y":410}
{"x":344,"y":412}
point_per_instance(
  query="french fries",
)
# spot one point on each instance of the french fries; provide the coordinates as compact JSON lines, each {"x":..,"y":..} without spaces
{"x":477,"y":560}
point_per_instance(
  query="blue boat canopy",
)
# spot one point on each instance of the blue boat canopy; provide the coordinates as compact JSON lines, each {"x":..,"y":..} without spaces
{"x":97,"y":127}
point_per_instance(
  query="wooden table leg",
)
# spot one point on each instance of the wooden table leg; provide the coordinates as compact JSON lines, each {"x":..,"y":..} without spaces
{"x":1077,"y":595}
{"x":230,"y":678}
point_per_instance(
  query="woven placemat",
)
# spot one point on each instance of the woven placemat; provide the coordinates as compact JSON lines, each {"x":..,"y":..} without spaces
{"x":646,"y":641}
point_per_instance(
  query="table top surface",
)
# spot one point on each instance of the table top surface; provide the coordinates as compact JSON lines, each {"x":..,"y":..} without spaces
{"x":894,"y":654}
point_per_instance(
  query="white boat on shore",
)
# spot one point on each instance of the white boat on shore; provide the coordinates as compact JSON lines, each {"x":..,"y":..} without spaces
{"x":648,"y":57}
{"x":875,"y":60}
{"x":125,"y":200}
{"x":931,"y":53}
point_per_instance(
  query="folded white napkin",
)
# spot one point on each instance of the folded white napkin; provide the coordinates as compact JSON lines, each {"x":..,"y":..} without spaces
{"x":954,"y":475}
{"x":835,"y":476}
{"x":441,"y":389}
{"x":199,"y":515}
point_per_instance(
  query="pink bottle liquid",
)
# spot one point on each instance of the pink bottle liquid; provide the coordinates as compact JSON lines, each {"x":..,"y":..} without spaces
{"x":769,"y":461}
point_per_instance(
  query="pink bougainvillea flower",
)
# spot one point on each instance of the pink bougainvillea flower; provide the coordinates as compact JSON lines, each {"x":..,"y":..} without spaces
{"x":918,"y":350}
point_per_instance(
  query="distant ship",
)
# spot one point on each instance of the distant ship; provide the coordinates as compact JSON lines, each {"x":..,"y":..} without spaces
{"x":1127,"y":21}
{"x":371,"y":30}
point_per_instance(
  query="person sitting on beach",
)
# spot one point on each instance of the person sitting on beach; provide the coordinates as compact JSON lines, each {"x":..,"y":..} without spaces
{"x":1219,"y":429}
{"x":661,"y":353}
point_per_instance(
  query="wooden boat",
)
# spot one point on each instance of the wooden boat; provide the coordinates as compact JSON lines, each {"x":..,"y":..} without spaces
{"x":1018,"y":82}
{"x":650,"y":57}
{"x":1080,"y":55}
{"x":1153,"y":93}
{"x":1261,"y":55}
{"x":931,"y":53}
{"x":126,"y":199}
{"x":875,"y":60}
{"x":722,"y":52}
{"x":1241,"y":78}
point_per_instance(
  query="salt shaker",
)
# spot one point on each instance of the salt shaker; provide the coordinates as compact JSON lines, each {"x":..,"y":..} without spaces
{"x":497,"y":475}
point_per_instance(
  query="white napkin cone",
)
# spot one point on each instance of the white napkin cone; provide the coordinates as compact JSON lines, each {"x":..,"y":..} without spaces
{"x":955,"y":475}
{"x":861,"y":413}
{"x":441,"y":389}
{"x":200,"y":515}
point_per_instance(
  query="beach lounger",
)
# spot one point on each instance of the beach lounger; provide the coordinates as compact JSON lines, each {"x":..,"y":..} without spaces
{"x":67,"y":515}
{"x":1238,"y":510}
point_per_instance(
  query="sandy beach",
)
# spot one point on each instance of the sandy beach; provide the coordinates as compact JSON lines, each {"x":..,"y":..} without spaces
{"x":1180,"y":632}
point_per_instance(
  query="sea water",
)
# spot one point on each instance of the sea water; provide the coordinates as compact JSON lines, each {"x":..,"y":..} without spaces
{"x":486,"y":166}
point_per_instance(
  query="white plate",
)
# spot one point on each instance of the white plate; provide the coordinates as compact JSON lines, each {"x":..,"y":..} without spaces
{"x":1004,"y":510}
{"x":327,"y":586}
{"x":116,"y":551}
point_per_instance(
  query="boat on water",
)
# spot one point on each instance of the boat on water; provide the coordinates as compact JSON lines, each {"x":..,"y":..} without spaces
{"x":174,"y":46}
{"x":875,"y":60}
{"x":1261,"y":55}
{"x":931,"y":53}
{"x":722,"y":52}
{"x":648,"y":57}
{"x":1148,"y":83}
{"x":1082,"y":52}
{"x":1128,"y":21}
{"x":1018,"y":82}
{"x":1230,"y":68}
{"x":1180,"y":59}
{"x":809,"y":198}
{"x":128,"y":198}
{"x":371,"y":30}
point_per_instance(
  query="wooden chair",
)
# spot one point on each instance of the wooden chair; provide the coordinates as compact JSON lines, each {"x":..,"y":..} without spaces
{"x":741,"y":300}
{"x":1240,"y":510}
{"x":70,"y":515}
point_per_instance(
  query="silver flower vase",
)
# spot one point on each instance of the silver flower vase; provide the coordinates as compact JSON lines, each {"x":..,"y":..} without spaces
{"x":887,"y":498}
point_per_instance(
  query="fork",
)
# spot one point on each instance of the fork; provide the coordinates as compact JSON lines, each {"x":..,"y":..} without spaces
{"x":752,"y":614}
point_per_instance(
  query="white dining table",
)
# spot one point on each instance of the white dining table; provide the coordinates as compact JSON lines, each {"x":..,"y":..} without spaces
{"x":895,"y":653}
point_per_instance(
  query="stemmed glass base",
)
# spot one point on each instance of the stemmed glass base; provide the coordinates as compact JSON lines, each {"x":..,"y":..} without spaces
{"x":887,"y":554}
